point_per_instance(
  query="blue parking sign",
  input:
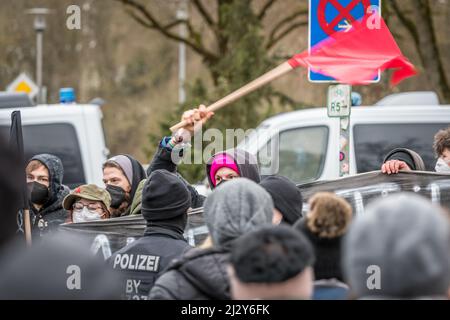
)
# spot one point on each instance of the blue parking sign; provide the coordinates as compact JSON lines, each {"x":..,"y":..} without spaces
{"x":329,"y":16}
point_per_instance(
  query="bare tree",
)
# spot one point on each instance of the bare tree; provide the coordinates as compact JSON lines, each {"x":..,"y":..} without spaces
{"x":145,"y":16}
{"x":420,"y":25}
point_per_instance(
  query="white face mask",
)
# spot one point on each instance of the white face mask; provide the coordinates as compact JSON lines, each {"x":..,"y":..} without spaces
{"x":442,"y":166}
{"x":85,"y":215}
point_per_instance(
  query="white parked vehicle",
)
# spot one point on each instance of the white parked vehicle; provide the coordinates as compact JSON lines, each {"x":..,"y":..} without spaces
{"x":73,"y":132}
{"x":304,"y":145}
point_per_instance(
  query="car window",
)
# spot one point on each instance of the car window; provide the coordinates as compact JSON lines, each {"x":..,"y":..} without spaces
{"x":59,"y":139}
{"x":299,"y":154}
{"x":373,"y":142}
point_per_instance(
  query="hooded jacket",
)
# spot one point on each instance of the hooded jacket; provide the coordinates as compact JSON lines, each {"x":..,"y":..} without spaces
{"x":52,"y":214}
{"x":412,"y":158}
{"x":138,"y":174}
{"x":246,"y":163}
{"x":233,"y":209}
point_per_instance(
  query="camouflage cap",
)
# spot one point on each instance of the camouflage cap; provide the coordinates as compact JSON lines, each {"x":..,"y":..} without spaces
{"x":88,"y":192}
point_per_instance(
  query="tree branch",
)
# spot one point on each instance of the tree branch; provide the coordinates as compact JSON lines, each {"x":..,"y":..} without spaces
{"x":444,"y":83}
{"x":265,"y":9}
{"x":288,"y":19}
{"x":202,"y":10}
{"x":409,"y":24}
{"x":152,"y":23}
{"x":274,"y":40}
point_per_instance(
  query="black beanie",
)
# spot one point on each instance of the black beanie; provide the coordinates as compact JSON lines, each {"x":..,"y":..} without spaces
{"x":286,"y":197}
{"x":164,"y":196}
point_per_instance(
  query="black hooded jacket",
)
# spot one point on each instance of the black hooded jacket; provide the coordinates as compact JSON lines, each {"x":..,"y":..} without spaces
{"x":245,"y":162}
{"x":198,"y":275}
{"x":52,"y":214}
{"x":412,"y":158}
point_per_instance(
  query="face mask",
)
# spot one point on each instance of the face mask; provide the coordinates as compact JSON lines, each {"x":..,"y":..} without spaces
{"x":118,"y":195}
{"x":442,"y":166}
{"x":85,"y":215}
{"x":37,"y":193}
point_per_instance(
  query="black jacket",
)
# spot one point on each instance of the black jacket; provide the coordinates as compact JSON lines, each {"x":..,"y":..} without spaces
{"x":140,"y":263}
{"x":52,"y":214}
{"x":198,"y":275}
{"x":327,"y":252}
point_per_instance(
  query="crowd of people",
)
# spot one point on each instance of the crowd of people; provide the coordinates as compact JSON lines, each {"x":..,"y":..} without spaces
{"x":260,"y":245}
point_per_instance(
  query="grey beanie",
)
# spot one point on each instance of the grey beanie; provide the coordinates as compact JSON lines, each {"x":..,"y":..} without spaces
{"x":235,"y":208}
{"x":408,"y":239}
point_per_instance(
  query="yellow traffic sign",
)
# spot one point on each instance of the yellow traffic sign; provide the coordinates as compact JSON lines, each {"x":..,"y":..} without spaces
{"x":23,"y":83}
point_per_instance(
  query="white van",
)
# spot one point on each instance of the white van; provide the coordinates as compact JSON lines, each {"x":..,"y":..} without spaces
{"x":304,"y":145}
{"x":73,"y":132}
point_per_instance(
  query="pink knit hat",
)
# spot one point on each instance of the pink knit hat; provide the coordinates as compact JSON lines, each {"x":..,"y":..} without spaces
{"x":220,"y":161}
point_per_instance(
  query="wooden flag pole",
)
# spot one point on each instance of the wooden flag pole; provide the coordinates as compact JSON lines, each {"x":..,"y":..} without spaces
{"x":248,"y":88}
{"x":27,"y":223}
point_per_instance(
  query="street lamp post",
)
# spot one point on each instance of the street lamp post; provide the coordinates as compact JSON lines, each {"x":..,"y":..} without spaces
{"x":39,"y":27}
{"x":182,"y":14}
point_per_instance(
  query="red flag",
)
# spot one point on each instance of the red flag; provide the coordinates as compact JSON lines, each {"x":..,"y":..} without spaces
{"x":353,"y":57}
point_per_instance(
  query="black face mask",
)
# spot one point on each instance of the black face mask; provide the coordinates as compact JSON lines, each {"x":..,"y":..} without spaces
{"x":118,"y":195}
{"x":38,"y":193}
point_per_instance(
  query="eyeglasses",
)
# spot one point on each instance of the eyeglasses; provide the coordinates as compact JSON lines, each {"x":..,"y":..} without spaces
{"x":78,"y":206}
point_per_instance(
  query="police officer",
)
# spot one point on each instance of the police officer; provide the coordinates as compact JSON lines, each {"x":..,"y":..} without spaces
{"x":165,"y":202}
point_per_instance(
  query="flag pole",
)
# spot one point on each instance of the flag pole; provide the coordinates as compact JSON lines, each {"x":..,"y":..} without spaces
{"x":16,"y":144}
{"x":26,"y":219}
{"x":248,"y":88}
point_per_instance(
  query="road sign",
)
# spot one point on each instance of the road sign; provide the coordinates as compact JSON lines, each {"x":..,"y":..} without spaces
{"x":23,"y":83}
{"x":328,"y":16}
{"x":339,"y":100}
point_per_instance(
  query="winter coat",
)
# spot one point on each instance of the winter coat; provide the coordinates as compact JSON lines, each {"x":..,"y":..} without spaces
{"x":198,"y":275}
